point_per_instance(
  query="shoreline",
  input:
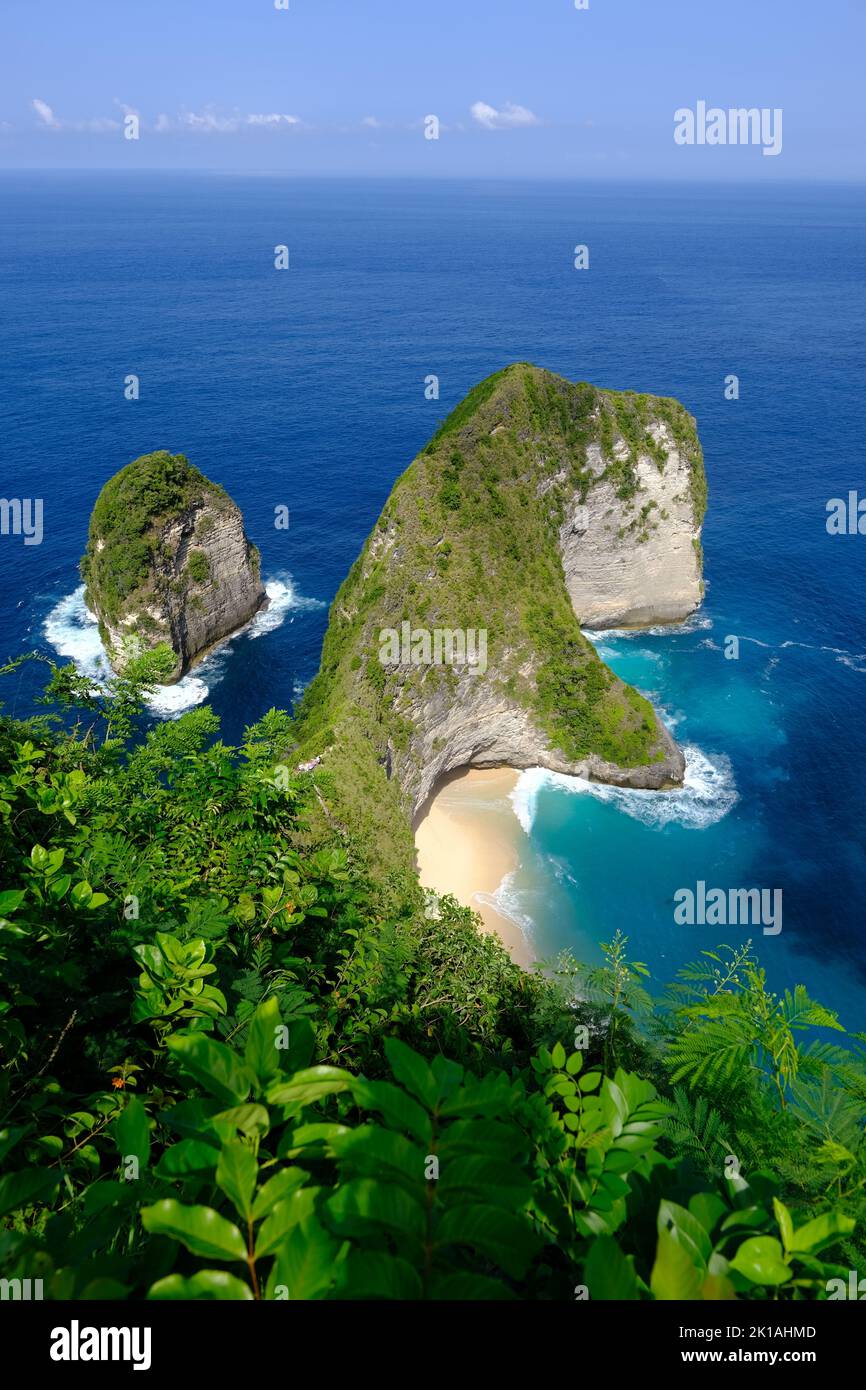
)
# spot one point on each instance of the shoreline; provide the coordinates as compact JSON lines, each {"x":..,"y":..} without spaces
{"x":466,"y":844}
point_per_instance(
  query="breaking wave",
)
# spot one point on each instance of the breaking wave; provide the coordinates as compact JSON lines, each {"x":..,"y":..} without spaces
{"x":707,"y":794}
{"x":72,"y":630}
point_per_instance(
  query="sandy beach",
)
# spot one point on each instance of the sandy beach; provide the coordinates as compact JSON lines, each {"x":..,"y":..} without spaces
{"x":467,"y":843}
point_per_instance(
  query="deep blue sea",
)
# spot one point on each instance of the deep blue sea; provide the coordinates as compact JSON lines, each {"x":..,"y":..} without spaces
{"x":305,"y":388}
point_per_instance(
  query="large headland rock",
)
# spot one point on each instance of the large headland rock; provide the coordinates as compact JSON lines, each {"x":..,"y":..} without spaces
{"x":168,"y":564}
{"x":538,"y":508}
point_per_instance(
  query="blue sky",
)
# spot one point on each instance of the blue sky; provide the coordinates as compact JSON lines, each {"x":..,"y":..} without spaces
{"x":520,"y":87}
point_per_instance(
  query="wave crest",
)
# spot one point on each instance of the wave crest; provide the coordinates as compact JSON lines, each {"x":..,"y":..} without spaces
{"x":72,"y":630}
{"x":706,"y":796}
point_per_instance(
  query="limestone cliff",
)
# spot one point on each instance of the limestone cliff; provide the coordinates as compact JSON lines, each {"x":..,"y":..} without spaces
{"x":539,"y":505}
{"x":631,"y":561}
{"x":168,"y":565}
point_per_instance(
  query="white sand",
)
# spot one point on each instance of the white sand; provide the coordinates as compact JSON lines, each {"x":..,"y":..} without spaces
{"x":467,"y":843}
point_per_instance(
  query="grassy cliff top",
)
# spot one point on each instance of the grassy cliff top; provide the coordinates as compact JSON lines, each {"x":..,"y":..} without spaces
{"x":125,"y":518}
{"x":469,"y":538}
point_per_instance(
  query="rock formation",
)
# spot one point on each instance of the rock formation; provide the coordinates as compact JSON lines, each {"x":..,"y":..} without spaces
{"x":168,"y":565}
{"x":538,"y":506}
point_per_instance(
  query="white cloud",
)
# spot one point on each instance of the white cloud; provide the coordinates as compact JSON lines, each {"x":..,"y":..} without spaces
{"x":211,"y":121}
{"x":207,"y":120}
{"x":372,"y":122}
{"x":510,"y":117}
{"x":273,"y":118}
{"x":45,"y":114}
{"x":48,"y":119}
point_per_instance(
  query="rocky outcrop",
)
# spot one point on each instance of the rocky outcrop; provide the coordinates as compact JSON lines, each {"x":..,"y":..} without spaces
{"x":477,"y":726}
{"x":632,"y":562}
{"x":538,"y":506}
{"x":168,"y":564}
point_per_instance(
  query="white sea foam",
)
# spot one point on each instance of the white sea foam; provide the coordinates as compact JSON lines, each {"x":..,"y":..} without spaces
{"x":172,"y":700}
{"x":283,"y":598}
{"x":507,"y":902}
{"x":707,"y":794}
{"x":696,"y":622}
{"x":72,"y":630}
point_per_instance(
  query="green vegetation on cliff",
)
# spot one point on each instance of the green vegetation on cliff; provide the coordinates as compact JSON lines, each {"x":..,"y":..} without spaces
{"x":124,"y":525}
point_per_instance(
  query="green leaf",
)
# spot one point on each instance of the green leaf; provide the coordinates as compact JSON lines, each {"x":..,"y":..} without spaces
{"x":356,"y":1206}
{"x":306,"y":1261}
{"x":213,"y":1064}
{"x":759,"y":1260}
{"x":236,"y":1174}
{"x":81,"y":894}
{"x":492,"y":1179}
{"x":306,"y":1087}
{"x":11,"y":1136}
{"x":674,"y":1274}
{"x":103,"y":1289}
{"x":499,"y":1139}
{"x":286,"y":1214}
{"x":784,"y":1221}
{"x":412,"y":1072}
{"x":557,"y":1055}
{"x":58,"y":887}
{"x":260,"y":1053}
{"x":215,"y":1284}
{"x":373,"y":1151}
{"x":250,"y":1121}
{"x":131,"y":1132}
{"x":10,"y":900}
{"x":688,"y":1230}
{"x":201,"y":1229}
{"x":22,"y":1189}
{"x":375,"y":1274}
{"x":399,"y":1111}
{"x":497,"y":1235}
{"x":820,"y":1232}
{"x":281,"y":1185}
{"x":188,"y":1156}
{"x":608,"y":1275}
{"x":707,"y":1208}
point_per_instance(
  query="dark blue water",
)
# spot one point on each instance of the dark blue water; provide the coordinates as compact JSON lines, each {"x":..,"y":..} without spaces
{"x":306,"y":389}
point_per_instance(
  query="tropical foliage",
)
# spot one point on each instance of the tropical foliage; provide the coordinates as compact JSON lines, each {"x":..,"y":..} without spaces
{"x":239,"y":1064}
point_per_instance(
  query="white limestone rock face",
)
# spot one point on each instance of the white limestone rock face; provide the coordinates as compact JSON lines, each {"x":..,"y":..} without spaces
{"x":636,"y":561}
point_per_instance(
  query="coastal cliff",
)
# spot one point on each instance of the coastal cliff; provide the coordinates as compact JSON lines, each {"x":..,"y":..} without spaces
{"x":168,"y":566}
{"x":456,"y":638}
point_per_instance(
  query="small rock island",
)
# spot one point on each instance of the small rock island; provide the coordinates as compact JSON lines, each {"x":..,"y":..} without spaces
{"x":168,"y":565}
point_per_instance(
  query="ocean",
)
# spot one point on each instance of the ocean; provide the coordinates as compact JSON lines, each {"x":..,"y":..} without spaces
{"x":306,"y":389}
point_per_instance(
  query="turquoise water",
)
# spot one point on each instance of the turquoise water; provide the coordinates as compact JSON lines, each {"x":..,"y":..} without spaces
{"x":594,"y":859}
